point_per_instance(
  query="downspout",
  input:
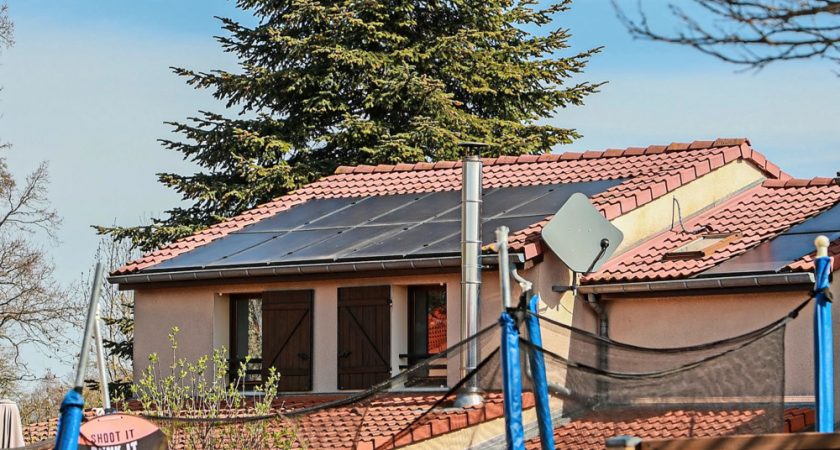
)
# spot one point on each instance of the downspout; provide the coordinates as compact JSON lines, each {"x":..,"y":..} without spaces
{"x":597,"y":306}
{"x":470,"y":395}
{"x":594,"y":302}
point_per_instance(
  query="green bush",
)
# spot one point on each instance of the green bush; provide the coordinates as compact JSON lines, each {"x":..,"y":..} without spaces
{"x":201,"y":390}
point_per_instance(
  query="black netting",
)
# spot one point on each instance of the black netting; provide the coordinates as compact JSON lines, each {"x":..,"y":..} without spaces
{"x":596,"y":386}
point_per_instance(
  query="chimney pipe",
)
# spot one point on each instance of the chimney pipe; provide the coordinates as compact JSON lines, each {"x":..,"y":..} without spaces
{"x":470,"y":274}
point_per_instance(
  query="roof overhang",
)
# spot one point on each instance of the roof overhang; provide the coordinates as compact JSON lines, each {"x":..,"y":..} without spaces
{"x":691,"y":285}
{"x":337,"y":268}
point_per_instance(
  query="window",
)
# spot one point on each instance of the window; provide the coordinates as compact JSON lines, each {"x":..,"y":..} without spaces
{"x":246,"y":335}
{"x":703,"y":246}
{"x":427,"y":329}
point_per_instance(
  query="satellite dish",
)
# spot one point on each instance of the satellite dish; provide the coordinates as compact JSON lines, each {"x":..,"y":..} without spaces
{"x":580,"y":236}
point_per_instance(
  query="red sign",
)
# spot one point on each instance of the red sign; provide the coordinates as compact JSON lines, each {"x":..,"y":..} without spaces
{"x":121,"y":432}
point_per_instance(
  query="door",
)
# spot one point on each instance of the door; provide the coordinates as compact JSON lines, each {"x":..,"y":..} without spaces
{"x":364,"y":336}
{"x":287,"y":338}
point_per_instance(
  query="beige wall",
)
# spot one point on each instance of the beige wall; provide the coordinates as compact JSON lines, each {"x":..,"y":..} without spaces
{"x":202,"y":314}
{"x":157,"y":311}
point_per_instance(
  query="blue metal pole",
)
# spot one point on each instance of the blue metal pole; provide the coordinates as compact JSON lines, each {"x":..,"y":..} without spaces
{"x":823,"y":340}
{"x":70,"y":421}
{"x":512,"y":384}
{"x":537,"y":361}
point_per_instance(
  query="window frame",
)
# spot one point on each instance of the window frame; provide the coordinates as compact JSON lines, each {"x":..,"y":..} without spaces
{"x":233,"y":340}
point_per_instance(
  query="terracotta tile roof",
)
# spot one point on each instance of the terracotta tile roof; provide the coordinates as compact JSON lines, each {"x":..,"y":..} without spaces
{"x":798,"y":420}
{"x":338,"y":428}
{"x":591,"y":433}
{"x":45,"y":431}
{"x":371,"y":425}
{"x":758,"y":214}
{"x":649,"y":173}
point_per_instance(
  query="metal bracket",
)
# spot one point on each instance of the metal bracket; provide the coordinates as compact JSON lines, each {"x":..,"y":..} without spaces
{"x":605,"y":244}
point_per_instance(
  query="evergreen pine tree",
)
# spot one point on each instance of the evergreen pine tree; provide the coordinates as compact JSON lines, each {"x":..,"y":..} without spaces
{"x":344,"y":82}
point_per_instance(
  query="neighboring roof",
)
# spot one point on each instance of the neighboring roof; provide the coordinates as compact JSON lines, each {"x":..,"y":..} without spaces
{"x":336,"y":428}
{"x":758,"y":214}
{"x":649,"y":173}
{"x":592,"y":432}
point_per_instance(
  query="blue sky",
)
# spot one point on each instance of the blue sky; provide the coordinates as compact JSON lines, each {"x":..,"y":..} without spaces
{"x":87,"y":87}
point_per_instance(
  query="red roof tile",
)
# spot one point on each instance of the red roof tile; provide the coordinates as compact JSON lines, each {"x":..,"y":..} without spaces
{"x":383,"y":418}
{"x":648,"y":175}
{"x":591,"y":432}
{"x":758,"y":214}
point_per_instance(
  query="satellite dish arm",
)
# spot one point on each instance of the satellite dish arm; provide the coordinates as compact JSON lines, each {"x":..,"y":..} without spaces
{"x":605,"y":244}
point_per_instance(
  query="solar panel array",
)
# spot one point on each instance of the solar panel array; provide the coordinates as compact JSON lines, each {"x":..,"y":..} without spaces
{"x":379,"y":227}
{"x":775,"y":254}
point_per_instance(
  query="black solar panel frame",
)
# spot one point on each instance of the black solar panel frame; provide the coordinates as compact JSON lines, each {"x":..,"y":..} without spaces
{"x":379,"y":227}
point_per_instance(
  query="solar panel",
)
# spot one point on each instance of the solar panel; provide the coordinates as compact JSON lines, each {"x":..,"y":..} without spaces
{"x":825,"y":223}
{"x":437,"y":202}
{"x":300,"y":215}
{"x":407,"y":241}
{"x":770,"y":256}
{"x":367,"y":209}
{"x":775,"y":254}
{"x":391,"y":226}
{"x":553,"y":199}
{"x":344,"y":242}
{"x":275,"y":249}
{"x":228,"y":245}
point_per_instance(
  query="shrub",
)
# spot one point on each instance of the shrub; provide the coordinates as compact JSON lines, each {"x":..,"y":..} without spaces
{"x":201,"y":405}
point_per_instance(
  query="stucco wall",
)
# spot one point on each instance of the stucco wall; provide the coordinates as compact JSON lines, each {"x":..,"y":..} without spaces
{"x":681,"y":321}
{"x":202,"y":314}
{"x":158,"y":310}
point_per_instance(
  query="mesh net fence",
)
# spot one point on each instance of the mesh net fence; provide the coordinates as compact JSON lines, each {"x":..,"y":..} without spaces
{"x":732,"y":386}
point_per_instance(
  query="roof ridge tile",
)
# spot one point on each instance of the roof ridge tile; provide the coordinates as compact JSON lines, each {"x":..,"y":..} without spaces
{"x":800,"y":182}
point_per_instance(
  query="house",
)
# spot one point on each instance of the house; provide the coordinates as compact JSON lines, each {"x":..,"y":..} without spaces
{"x":346,"y":281}
{"x":362,"y":292}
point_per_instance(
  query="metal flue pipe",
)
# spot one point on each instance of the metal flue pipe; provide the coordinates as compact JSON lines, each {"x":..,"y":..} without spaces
{"x":504,"y":265}
{"x":470,"y":274}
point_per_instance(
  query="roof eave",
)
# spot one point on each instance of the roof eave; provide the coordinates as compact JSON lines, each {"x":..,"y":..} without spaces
{"x":307,"y":269}
{"x":694,"y":284}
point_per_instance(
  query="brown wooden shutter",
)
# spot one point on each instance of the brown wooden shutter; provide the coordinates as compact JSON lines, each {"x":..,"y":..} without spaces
{"x":364,"y":336}
{"x":287,"y":338}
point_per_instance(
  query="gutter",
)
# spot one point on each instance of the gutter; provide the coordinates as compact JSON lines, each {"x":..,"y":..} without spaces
{"x":748,"y":281}
{"x":335,"y":267}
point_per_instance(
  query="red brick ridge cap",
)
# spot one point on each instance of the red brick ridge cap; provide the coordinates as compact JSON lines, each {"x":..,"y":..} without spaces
{"x":550,"y":157}
{"x":799,"y":183}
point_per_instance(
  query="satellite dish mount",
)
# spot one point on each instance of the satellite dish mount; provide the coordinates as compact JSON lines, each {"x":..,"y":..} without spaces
{"x":581,"y":237}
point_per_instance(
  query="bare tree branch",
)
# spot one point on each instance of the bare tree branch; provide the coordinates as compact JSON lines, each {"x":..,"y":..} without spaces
{"x":750,"y":33}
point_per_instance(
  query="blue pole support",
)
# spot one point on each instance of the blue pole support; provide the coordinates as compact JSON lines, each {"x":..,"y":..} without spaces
{"x":512,"y":384}
{"x":537,"y":361}
{"x":70,"y":421}
{"x":823,"y":342}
